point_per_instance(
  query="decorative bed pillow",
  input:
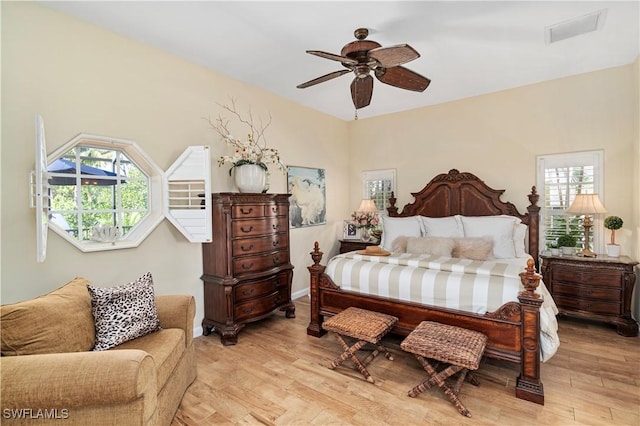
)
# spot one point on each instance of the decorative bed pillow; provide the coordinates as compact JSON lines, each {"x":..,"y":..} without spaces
{"x":430,"y":245}
{"x":57,"y":322}
{"x":123,"y":313}
{"x":499,"y":228}
{"x":520,"y":239}
{"x":473,"y":248}
{"x":399,"y":245}
{"x":447,"y":227}
{"x":394,"y":227}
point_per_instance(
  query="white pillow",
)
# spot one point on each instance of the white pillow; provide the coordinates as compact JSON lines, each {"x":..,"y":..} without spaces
{"x":520,"y":235}
{"x":394,"y":227}
{"x":499,"y":228}
{"x":519,"y":239}
{"x":446,"y":227}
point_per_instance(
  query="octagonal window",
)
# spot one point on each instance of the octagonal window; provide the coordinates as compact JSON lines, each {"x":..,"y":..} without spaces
{"x":102,"y":193}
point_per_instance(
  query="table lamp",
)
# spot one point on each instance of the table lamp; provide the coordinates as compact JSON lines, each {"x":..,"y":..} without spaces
{"x":586,"y":204}
{"x":367,"y":206}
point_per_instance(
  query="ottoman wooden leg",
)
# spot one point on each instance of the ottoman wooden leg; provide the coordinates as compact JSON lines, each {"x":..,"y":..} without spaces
{"x":350,"y":353}
{"x":439,"y":379}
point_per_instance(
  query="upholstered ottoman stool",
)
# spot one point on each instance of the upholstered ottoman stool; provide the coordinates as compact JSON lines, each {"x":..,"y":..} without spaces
{"x":460,"y":348}
{"x":363,"y":326}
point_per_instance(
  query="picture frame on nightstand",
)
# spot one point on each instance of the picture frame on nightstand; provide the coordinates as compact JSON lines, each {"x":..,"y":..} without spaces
{"x":349,"y":231}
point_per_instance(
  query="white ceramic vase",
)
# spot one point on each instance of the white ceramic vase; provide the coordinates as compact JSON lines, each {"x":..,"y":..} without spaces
{"x":250,"y":178}
{"x":613,"y":250}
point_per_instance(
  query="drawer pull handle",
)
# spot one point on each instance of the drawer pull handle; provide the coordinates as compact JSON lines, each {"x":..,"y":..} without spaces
{"x":247,"y":267}
{"x":275,"y":226}
{"x":246,"y":212}
{"x":247,"y":310}
{"x":246,"y":230}
{"x":274,"y":209}
{"x":247,"y":292}
{"x":246,"y":249}
{"x":276,"y":260}
{"x":276,"y":243}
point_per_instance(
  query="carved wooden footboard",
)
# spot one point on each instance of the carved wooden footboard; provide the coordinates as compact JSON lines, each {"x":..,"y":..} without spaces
{"x":513,"y":330}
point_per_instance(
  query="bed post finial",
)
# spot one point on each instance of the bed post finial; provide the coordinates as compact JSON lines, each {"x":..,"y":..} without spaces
{"x":534,"y":196}
{"x":530,"y":279}
{"x":392,"y":209}
{"x":316,"y":254}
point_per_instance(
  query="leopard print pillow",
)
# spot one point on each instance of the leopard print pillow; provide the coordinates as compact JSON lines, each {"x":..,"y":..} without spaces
{"x":124,"y":312}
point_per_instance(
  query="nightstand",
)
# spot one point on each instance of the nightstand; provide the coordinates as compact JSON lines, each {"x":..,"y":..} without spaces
{"x":351,"y":245}
{"x":597,"y":288}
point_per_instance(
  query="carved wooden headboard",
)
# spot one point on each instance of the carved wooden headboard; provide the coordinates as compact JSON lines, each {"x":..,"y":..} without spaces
{"x":465,"y":194}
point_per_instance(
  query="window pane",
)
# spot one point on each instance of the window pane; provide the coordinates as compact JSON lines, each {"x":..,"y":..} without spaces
{"x":112,"y":191}
{"x":561,"y":177}
{"x":378,"y":185}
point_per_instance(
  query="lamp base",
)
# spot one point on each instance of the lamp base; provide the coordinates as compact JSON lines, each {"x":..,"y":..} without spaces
{"x":585,"y":252}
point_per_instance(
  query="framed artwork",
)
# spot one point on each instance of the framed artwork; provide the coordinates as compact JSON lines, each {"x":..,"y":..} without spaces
{"x":350,"y":232}
{"x":307,"y":203}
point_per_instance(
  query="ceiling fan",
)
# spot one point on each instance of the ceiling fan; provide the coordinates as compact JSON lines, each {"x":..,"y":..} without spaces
{"x":363,"y":56}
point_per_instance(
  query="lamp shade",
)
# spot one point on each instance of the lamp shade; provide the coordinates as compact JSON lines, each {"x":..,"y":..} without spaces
{"x":586,"y":204}
{"x":367,"y":206}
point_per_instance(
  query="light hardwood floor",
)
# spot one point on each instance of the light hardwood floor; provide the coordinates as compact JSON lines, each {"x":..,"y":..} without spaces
{"x":277,"y":375}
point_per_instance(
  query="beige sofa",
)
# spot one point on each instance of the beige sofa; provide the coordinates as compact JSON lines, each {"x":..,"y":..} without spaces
{"x":49,"y":374}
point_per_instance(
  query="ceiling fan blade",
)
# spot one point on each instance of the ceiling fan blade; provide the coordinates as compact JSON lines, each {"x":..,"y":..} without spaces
{"x":322,"y":79}
{"x":333,"y":57}
{"x":403,"y":78}
{"x":361,"y":91}
{"x":392,"y":56}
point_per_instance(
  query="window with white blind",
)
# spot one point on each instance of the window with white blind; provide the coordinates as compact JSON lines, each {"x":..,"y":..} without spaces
{"x":378,"y":185}
{"x":559,"y":178}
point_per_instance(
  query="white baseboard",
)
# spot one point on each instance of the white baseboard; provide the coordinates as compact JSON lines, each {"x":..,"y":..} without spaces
{"x":300,"y":293}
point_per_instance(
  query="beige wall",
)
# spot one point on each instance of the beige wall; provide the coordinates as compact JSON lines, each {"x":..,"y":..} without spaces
{"x":83,"y":79}
{"x":498,"y":136}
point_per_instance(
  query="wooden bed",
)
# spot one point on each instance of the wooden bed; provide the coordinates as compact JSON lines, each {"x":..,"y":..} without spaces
{"x":513,"y":330}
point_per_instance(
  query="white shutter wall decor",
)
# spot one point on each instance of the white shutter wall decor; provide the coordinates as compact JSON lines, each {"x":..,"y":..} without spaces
{"x":187,"y":189}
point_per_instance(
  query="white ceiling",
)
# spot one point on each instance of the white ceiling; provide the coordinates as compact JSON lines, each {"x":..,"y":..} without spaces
{"x":467,"y":48}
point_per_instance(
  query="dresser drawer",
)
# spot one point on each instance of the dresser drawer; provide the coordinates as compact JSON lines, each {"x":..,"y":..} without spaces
{"x":276,"y":210}
{"x":607,"y":294}
{"x":247,"y":211}
{"x":255,"y":289}
{"x":596,"y":307}
{"x":241,"y":228}
{"x":256,"y":245}
{"x":258,"y":307}
{"x":593,"y":276}
{"x":249,"y":264}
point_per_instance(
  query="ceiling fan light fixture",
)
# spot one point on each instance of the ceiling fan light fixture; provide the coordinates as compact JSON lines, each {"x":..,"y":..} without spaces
{"x":363,"y":56}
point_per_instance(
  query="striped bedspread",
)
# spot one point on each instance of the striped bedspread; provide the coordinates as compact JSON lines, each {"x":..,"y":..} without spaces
{"x":463,"y":284}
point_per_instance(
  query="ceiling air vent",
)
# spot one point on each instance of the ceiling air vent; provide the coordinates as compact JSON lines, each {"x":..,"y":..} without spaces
{"x":574,"y":27}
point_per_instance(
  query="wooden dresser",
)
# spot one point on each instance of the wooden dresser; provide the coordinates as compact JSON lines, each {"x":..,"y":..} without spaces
{"x":597,"y":288}
{"x":247,"y":271}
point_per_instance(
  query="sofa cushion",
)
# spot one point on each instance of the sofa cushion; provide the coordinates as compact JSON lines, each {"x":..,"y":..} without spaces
{"x":124,"y":312}
{"x":57,"y":322}
{"x":165,"y":347}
